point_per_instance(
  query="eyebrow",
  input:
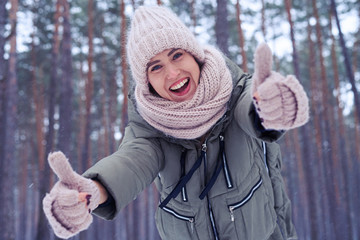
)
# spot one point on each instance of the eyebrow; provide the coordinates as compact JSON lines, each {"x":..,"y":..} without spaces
{"x":151,"y":63}
{"x":172,"y":51}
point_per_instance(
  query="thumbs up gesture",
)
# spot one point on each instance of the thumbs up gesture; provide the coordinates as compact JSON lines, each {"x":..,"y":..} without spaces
{"x":69,"y":204}
{"x":281,"y":102}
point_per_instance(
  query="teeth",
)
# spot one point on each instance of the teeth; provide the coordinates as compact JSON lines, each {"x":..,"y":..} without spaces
{"x":179,"y":85}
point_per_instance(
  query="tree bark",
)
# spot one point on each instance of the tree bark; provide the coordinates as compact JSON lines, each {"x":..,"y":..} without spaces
{"x":113,"y":113}
{"x":241,"y":37}
{"x":343,"y":160}
{"x":292,"y":37}
{"x":316,"y":187}
{"x":332,"y":165}
{"x":263,"y":20}
{"x":7,"y":172}
{"x":347,"y":60}
{"x":66,"y":92}
{"x":193,"y":15}
{"x":222,"y":26}
{"x":104,"y":102}
{"x":3,"y":72}
{"x":44,"y":172}
{"x":124,"y":115}
{"x":89,"y":87}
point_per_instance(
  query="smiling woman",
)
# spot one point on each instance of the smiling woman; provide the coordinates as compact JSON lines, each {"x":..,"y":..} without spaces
{"x":174,"y":74}
{"x":201,"y":134}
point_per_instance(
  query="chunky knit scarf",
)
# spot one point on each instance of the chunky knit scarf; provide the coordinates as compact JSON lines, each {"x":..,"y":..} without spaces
{"x":192,"y":118}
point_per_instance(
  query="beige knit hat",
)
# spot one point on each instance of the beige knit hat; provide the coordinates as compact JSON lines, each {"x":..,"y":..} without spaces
{"x":153,"y":30}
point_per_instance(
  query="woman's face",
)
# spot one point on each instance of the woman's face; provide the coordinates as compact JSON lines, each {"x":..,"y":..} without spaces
{"x":174,"y":74}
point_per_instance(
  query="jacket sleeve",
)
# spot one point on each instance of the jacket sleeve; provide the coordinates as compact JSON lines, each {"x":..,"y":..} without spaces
{"x":246,"y":116}
{"x":126,"y":172}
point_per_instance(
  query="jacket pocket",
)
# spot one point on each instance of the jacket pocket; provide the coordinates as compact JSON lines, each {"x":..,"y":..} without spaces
{"x":252,"y":214}
{"x":175,"y":225}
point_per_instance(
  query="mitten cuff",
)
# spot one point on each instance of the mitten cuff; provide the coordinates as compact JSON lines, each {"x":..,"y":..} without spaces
{"x":88,"y":186}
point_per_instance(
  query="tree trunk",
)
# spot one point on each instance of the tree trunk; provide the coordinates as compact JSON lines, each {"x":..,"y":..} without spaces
{"x":39,"y":108}
{"x":124,"y":115}
{"x":241,"y":37}
{"x":343,"y":160}
{"x":263,"y":20}
{"x":222,"y":26}
{"x":66,"y":92}
{"x":193,"y":15}
{"x":3,"y":70}
{"x":302,"y":152}
{"x":346,"y":58}
{"x":7,"y":171}
{"x":292,"y":37}
{"x":316,"y":187}
{"x":81,"y":114}
{"x":44,"y":171}
{"x":38,"y":93}
{"x":89,"y":88}
{"x":113,"y":113}
{"x":356,"y":51}
{"x":333,"y":177}
{"x":104,"y":104}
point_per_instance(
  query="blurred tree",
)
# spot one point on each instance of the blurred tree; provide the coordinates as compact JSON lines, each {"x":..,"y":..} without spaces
{"x":44,"y":176}
{"x":347,"y":60}
{"x":222,"y":26}
{"x":89,"y":88}
{"x":10,"y":130}
{"x":300,"y":151}
{"x":241,"y":37}
{"x":66,"y":85}
{"x":3,"y":69}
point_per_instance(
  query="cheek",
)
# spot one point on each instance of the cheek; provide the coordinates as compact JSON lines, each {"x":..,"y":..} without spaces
{"x":158,"y":86}
{"x":154,"y":84}
{"x":196,"y":73}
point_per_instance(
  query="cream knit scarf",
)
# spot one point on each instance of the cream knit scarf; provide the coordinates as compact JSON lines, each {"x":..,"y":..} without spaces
{"x":192,"y":118}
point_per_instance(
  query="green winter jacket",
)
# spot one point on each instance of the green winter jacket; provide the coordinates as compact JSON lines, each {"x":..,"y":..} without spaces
{"x":242,"y":191}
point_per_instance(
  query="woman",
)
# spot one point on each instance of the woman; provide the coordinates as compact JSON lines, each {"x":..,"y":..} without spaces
{"x":197,"y":127}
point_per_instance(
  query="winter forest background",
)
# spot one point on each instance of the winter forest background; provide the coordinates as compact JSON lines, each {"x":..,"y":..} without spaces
{"x":64,"y":82}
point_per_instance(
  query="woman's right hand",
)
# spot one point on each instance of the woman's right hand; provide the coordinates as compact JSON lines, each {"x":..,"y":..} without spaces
{"x":281,"y":102}
{"x":69,"y":204}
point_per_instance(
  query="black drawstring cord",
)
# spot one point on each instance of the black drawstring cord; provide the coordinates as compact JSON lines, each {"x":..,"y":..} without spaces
{"x":182,"y":182}
{"x":219,"y":166}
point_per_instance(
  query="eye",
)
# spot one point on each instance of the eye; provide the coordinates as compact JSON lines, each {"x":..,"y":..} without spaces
{"x":177,"y":55}
{"x":154,"y":68}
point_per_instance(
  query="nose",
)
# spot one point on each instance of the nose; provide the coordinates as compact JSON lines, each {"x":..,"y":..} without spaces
{"x":172,"y":71}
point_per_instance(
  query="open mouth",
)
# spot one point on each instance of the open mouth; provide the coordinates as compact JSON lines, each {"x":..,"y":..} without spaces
{"x":180,"y":86}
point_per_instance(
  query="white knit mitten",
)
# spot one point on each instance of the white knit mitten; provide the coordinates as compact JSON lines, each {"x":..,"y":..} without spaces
{"x":281,"y":102}
{"x":67,"y":213}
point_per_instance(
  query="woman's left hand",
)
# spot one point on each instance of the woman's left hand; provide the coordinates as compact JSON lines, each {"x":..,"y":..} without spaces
{"x":281,"y":102}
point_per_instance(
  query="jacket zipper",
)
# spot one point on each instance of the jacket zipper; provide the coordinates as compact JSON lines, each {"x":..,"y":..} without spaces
{"x":237,"y":205}
{"x":211,"y":215}
{"x":226,"y":168}
{"x":182,"y":162}
{"x":265,"y":161}
{"x":191,"y":220}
